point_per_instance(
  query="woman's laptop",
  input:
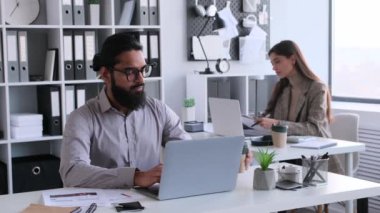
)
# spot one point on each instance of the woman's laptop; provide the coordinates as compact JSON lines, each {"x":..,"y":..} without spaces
{"x":226,"y":119}
{"x":197,"y":167}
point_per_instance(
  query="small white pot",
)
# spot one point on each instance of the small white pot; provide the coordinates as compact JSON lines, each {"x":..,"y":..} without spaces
{"x":188,"y":114}
{"x":94,"y":14}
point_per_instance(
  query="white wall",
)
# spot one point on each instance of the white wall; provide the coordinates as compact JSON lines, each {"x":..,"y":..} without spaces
{"x":305,"y":22}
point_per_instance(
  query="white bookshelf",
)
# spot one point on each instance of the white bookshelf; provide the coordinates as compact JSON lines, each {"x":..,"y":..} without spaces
{"x":47,"y":32}
{"x":251,"y":90}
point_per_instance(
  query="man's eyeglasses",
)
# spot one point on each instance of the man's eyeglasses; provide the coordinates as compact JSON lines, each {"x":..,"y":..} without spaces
{"x":133,"y":73}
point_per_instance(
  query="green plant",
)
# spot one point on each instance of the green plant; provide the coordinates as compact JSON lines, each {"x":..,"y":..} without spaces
{"x":189,"y":102}
{"x":265,"y":158}
{"x":93,"y":1}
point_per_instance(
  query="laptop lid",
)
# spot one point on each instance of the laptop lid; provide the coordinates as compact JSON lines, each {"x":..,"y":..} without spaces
{"x":197,"y":167}
{"x":226,"y":117}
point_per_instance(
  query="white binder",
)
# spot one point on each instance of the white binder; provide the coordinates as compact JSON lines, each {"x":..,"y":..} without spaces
{"x":153,"y":12}
{"x":127,"y":12}
{"x":79,"y":68}
{"x":67,"y":12}
{"x":68,"y":55}
{"x":13,"y":73}
{"x":90,"y":50}
{"x":144,"y":42}
{"x":80,"y":95}
{"x":78,"y":11}
{"x":23,"y":56}
{"x":70,"y":99}
{"x":50,"y":62}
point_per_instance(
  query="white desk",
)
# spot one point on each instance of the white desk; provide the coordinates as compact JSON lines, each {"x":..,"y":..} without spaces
{"x":288,"y":153}
{"x":242,"y":199}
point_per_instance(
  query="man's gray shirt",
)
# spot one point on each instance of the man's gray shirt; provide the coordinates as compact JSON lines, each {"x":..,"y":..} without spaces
{"x":102,"y":147}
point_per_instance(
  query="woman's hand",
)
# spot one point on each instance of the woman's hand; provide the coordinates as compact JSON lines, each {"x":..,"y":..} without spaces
{"x":267,"y":123}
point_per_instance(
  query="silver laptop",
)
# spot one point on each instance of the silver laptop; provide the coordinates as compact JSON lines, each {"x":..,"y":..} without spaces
{"x":226,"y":119}
{"x":197,"y":167}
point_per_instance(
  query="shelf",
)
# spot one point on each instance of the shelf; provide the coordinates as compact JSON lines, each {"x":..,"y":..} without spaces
{"x":34,"y":83}
{"x":44,"y":138}
{"x":47,"y":32}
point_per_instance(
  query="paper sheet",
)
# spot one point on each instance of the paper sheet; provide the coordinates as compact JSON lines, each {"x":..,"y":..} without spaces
{"x":252,"y":47}
{"x":70,"y":197}
{"x":214,"y":46}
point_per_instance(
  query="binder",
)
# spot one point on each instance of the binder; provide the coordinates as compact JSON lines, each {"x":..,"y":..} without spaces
{"x":127,"y":12}
{"x":154,"y":56}
{"x":141,"y":14}
{"x":143,"y":38}
{"x":49,"y":105}
{"x":70,"y":99}
{"x":78,"y":12}
{"x":68,"y":55}
{"x":67,"y":12}
{"x":79,"y":68}
{"x":90,"y":50}
{"x":23,"y":56}
{"x":51,"y":65}
{"x":13,"y":72}
{"x":80,"y":95}
{"x":1,"y":60}
{"x":153,"y":12}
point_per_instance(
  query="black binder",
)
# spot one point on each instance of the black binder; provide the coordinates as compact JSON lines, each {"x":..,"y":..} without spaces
{"x":79,"y":66}
{"x":38,"y":172}
{"x":154,"y":53}
{"x":3,"y":179}
{"x":68,"y":51}
{"x":49,"y":105}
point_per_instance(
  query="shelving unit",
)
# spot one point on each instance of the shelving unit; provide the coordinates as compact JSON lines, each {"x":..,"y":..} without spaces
{"x":46,"y":32}
{"x":252,"y":91}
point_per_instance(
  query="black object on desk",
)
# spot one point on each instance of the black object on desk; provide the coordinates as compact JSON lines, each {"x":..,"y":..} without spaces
{"x":131,"y":206}
{"x":265,"y":140}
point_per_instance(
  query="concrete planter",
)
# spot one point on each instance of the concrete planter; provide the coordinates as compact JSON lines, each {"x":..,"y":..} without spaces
{"x":264,"y":180}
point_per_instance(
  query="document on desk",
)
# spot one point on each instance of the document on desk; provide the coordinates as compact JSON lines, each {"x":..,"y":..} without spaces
{"x":318,"y":143}
{"x":68,"y":197}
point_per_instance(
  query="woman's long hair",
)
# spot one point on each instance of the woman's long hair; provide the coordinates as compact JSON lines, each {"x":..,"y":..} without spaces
{"x":288,"y":48}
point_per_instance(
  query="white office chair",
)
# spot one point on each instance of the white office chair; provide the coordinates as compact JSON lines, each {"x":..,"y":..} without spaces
{"x":345,"y":126}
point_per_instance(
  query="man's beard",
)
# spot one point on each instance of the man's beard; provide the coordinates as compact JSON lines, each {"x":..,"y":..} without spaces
{"x":128,"y":99}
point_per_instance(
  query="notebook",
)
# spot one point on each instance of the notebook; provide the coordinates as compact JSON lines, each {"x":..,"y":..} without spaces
{"x":197,"y":167}
{"x":227,"y":120}
{"x":318,"y":143}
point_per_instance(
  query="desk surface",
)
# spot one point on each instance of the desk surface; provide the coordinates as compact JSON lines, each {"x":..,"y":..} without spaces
{"x":288,"y":152}
{"x":243,"y":198}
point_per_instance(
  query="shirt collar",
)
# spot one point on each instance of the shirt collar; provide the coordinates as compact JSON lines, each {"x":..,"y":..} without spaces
{"x":104,"y":103}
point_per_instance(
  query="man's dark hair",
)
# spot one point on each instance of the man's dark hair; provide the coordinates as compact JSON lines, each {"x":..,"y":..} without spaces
{"x":112,"y":47}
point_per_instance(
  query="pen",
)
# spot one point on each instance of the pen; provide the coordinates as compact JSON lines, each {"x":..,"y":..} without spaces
{"x":125,"y":194}
{"x":91,"y":208}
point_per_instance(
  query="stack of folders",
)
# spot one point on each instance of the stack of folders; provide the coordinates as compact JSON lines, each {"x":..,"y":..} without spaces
{"x":73,"y":12}
{"x":145,"y":12}
{"x":79,"y":48}
{"x":26,"y":125}
{"x":18,"y":68}
{"x":150,"y":43}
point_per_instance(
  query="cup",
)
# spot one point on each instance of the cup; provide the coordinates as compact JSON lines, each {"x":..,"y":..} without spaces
{"x":279,"y":135}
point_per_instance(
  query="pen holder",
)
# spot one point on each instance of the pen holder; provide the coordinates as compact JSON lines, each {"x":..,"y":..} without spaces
{"x":314,"y":171}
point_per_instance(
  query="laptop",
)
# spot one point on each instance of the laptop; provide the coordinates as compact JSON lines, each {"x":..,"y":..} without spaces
{"x":198,"y":167}
{"x":226,"y":119}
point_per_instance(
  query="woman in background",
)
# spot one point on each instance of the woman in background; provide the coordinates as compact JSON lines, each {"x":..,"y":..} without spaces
{"x":299,"y":100}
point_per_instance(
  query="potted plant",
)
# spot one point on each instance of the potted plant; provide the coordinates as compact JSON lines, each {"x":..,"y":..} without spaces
{"x":94,"y":12}
{"x":188,"y":110}
{"x":264,"y":177}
